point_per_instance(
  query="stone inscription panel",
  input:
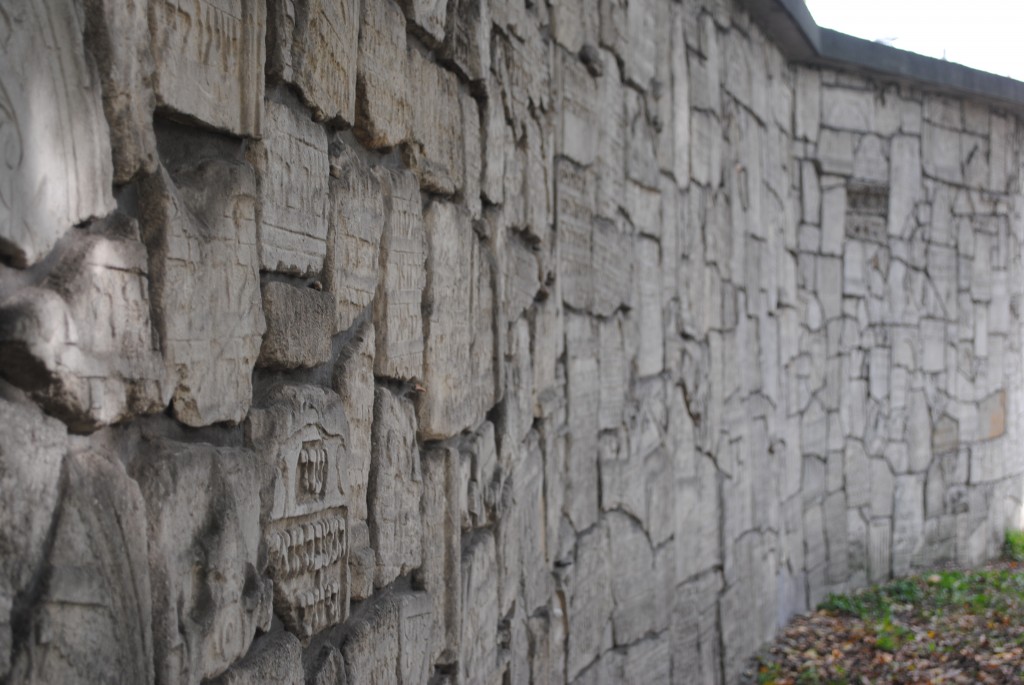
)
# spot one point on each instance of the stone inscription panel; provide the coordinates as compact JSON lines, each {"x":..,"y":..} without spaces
{"x":867,"y":211}
{"x":209,"y":60}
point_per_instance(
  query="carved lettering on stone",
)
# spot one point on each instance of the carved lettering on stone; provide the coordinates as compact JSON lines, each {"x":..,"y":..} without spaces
{"x":302,"y":433}
{"x":202,"y":503}
{"x":396,"y":485}
{"x":313,"y":44}
{"x":293,"y":166}
{"x":356,"y":222}
{"x":209,"y":60}
{"x":383,"y":104}
{"x":200,"y":230}
{"x":867,"y":211}
{"x":397,"y":314}
{"x":56,"y":165}
{"x":435,"y":151}
{"x":574,"y":190}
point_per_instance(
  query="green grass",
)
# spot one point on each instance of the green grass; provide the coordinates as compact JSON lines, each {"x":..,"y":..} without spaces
{"x":1014,"y":547}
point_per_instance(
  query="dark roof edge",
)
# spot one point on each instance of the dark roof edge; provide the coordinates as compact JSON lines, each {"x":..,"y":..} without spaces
{"x":790,"y":25}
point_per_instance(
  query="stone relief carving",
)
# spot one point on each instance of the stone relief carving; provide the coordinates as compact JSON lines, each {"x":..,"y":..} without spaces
{"x":302,"y":433}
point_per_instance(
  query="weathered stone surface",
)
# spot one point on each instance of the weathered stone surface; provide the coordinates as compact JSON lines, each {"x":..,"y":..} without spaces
{"x":57,"y":169}
{"x":274,"y":658}
{"x":31,"y":458}
{"x":590,"y":603}
{"x":384,"y":102}
{"x":573,"y":217}
{"x":390,"y":640}
{"x":299,"y":321}
{"x":312,"y":44}
{"x":449,"y":404}
{"x":202,"y":502}
{"x":118,"y":36}
{"x":209,"y":61}
{"x":353,"y":381}
{"x":355,"y":223}
{"x":396,"y":485}
{"x":82,"y":345}
{"x":435,"y":149}
{"x":403,"y":253}
{"x":200,"y":230}
{"x":301,"y":434}
{"x":98,"y":584}
{"x":576,"y":104}
{"x":468,"y":37}
{"x":583,"y":375}
{"x":293,"y":168}
{"x":479,"y":657}
{"x":440,"y":510}
{"x":428,"y":16}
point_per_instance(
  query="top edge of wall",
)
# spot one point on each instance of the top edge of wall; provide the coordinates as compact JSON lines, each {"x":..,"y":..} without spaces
{"x":790,"y":25}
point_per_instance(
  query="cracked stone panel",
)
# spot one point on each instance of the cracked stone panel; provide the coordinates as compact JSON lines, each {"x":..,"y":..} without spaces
{"x":397,"y":314}
{"x":31,"y":459}
{"x":203,"y":502}
{"x":98,"y":583}
{"x":389,"y":640}
{"x":200,"y":230}
{"x":356,"y":216}
{"x":383,"y":96}
{"x":209,"y":61}
{"x":395,"y":488}
{"x":299,"y":323}
{"x":435,"y":150}
{"x":313,"y":45}
{"x":293,"y":169}
{"x":57,"y":170}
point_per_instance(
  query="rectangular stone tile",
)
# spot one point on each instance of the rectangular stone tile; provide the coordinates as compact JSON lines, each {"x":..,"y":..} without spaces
{"x":383,"y":109}
{"x":435,"y":149}
{"x":293,"y":166}
{"x":209,"y":61}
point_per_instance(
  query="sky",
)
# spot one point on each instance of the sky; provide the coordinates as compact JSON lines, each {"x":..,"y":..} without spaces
{"x":983,"y":34}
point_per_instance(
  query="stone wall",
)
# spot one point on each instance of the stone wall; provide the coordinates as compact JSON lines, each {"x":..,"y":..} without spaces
{"x":364,"y":341}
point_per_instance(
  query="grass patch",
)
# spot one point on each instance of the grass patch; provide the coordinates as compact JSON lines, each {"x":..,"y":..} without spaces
{"x":1014,"y":546}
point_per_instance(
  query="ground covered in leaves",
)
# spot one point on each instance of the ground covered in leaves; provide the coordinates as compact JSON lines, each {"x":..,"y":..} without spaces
{"x":945,"y":627}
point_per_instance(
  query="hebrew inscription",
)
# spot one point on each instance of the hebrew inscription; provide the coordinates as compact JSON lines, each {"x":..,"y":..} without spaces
{"x":209,"y":60}
{"x":303,"y":433}
{"x":867,"y":211}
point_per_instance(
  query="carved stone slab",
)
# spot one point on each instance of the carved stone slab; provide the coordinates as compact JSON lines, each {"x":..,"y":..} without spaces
{"x":82,"y":345}
{"x":867,"y":211}
{"x":299,"y":325}
{"x":449,"y":404}
{"x":118,"y":32}
{"x":356,"y":222}
{"x":435,"y":151}
{"x":574,"y":209}
{"x":428,"y":16}
{"x":383,"y":109}
{"x":93,"y":621}
{"x":293,"y":166}
{"x":313,"y":45}
{"x":397,"y":307}
{"x":203,"y":502}
{"x":201,"y":236}
{"x":209,"y":60}
{"x":302,"y":433}
{"x":56,"y":169}
{"x":396,"y":485}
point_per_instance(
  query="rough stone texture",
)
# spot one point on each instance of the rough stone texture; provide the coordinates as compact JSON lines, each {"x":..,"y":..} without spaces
{"x":384,"y":108}
{"x":200,"y":230}
{"x":594,"y":339}
{"x":299,"y":325}
{"x":202,"y":502}
{"x":292,"y":165}
{"x":396,"y":485}
{"x":396,"y":308}
{"x":88,"y":375}
{"x":209,"y":61}
{"x":98,"y":582}
{"x":313,"y":45}
{"x":57,"y":162}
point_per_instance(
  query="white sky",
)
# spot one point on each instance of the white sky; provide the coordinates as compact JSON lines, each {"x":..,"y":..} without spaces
{"x":984,"y":34}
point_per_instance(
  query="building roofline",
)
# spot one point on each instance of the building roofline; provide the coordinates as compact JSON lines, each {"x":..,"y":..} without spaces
{"x":790,"y":25}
